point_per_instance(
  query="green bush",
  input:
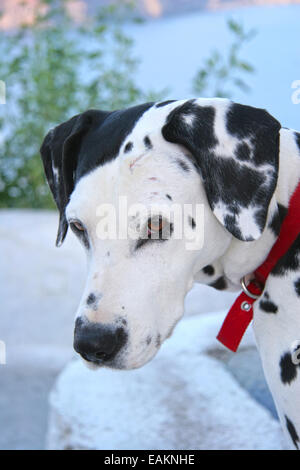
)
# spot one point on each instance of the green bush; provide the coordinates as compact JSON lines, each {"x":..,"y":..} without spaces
{"x":54,"y":69}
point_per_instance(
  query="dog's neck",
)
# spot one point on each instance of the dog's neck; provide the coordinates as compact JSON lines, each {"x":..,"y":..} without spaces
{"x":242,"y":258}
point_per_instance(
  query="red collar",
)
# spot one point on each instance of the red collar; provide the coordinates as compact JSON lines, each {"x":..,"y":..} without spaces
{"x":241,"y":313}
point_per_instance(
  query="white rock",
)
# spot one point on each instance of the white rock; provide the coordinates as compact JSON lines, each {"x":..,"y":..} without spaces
{"x":183,"y":399}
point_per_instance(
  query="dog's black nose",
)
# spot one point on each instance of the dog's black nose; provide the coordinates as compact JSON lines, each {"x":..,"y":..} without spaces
{"x":96,"y":342}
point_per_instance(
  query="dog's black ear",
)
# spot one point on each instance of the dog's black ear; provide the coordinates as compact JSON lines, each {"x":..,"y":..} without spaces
{"x":59,"y":153}
{"x":236,"y":149}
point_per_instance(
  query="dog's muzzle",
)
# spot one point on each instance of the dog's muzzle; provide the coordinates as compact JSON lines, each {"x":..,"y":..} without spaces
{"x":98,"y":343}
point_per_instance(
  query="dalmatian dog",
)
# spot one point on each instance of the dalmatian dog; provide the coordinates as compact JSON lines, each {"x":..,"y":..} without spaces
{"x":235,"y":162}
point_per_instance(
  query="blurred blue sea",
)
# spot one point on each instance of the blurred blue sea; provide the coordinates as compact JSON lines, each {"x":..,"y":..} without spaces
{"x":171,"y":50}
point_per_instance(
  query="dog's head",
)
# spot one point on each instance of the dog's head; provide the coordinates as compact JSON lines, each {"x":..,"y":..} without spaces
{"x":155,"y":193}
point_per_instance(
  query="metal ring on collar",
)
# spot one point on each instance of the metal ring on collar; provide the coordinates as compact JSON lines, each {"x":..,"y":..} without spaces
{"x":245,"y":289}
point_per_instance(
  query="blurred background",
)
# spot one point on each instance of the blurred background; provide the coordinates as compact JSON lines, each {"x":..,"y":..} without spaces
{"x":61,"y":57}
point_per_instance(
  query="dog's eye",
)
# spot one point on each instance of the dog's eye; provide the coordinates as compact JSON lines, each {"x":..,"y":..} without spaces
{"x":80,"y":231}
{"x":77,"y":226}
{"x":156,"y":224}
{"x":158,"y":228}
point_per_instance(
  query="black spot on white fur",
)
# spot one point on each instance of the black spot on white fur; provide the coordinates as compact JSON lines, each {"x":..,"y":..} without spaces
{"x":192,"y":222}
{"x":292,"y":431}
{"x":183,"y":165}
{"x":91,"y":299}
{"x":219,"y":284}
{"x":209,"y":270}
{"x":297,"y":136}
{"x":148,"y":143}
{"x":277,"y":219}
{"x":121,"y":320}
{"x":128,"y":147}
{"x":267,"y":305}
{"x":297,"y":286}
{"x":288,"y":370}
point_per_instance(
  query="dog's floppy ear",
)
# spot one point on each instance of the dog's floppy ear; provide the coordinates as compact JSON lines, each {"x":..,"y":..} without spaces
{"x":59,"y":153}
{"x":236,"y":149}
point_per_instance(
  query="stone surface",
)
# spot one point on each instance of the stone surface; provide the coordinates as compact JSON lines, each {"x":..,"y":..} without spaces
{"x":25,"y":384}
